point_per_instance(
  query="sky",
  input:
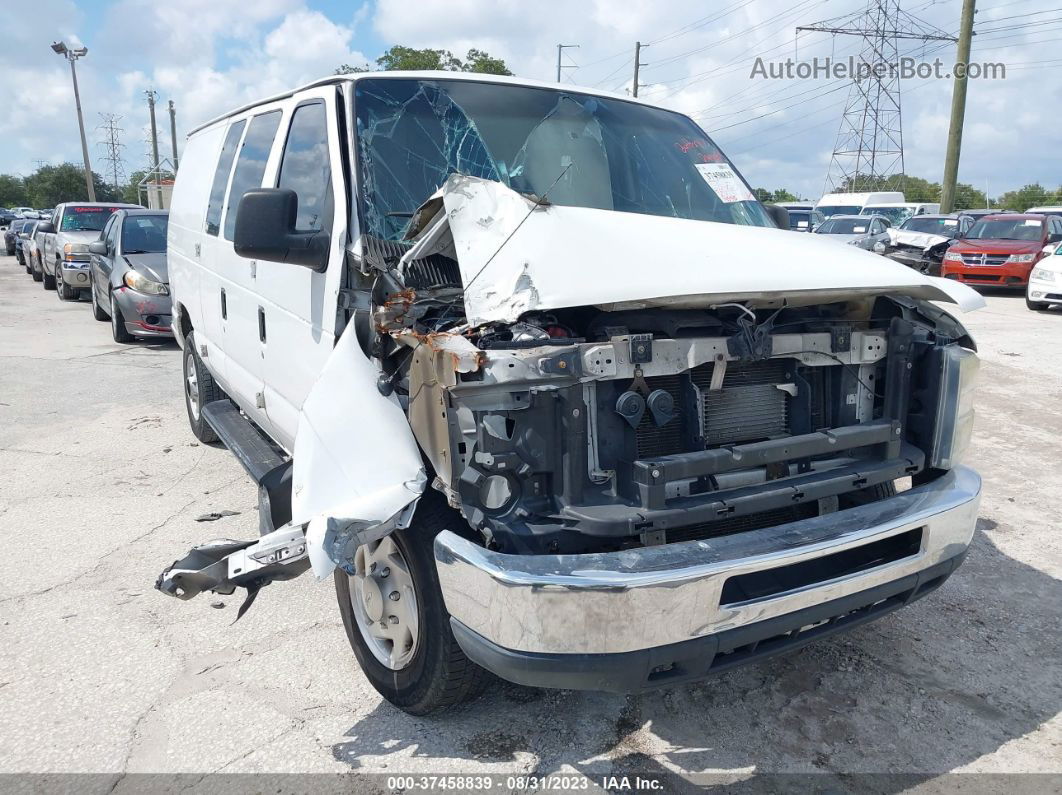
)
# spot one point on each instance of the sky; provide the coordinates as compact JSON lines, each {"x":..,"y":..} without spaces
{"x":208,"y":56}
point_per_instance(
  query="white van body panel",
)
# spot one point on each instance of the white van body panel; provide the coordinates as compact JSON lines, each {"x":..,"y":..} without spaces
{"x":857,"y":200}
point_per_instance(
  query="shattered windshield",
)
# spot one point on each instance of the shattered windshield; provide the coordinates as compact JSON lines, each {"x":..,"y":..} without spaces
{"x":585,"y":151}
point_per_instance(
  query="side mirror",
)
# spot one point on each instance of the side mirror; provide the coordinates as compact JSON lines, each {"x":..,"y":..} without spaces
{"x":780,"y":215}
{"x":265,"y":229}
{"x":97,"y":247}
{"x":46,"y":227}
{"x":1055,"y":238}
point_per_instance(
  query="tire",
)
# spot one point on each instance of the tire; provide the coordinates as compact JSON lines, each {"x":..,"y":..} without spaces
{"x":97,"y":311}
{"x":1036,"y":306}
{"x":49,"y":281}
{"x":118,"y":330}
{"x":37,"y":273}
{"x":65,"y":291}
{"x":438,"y":674}
{"x":204,"y":388}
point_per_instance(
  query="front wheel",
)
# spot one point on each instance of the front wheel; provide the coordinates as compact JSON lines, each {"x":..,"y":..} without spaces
{"x":65,"y":291}
{"x":200,"y":388}
{"x":37,"y":272}
{"x":118,"y":330}
{"x":49,"y":281}
{"x":396,"y":621}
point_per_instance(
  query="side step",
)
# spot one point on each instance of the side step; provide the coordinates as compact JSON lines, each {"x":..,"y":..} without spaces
{"x":253,"y":450}
{"x":264,"y":462}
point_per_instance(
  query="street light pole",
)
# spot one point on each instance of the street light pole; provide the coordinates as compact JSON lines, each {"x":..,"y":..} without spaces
{"x":72,"y":55}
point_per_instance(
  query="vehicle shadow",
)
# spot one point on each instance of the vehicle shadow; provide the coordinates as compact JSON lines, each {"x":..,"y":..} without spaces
{"x":923,"y":691}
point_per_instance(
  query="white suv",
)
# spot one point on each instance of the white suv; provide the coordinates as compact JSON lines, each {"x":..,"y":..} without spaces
{"x":530,"y":369}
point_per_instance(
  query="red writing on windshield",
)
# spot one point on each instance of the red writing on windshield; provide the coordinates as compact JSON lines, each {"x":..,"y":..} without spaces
{"x":95,"y":209}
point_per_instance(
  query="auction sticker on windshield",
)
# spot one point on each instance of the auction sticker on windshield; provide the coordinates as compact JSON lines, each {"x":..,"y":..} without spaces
{"x":726,"y":184}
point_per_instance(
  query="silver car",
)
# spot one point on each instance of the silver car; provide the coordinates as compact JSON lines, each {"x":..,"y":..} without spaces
{"x":864,"y":231}
{"x":128,"y":280}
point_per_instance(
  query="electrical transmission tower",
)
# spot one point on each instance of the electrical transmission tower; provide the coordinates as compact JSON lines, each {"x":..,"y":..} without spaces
{"x":112,"y":147}
{"x":869,"y":146}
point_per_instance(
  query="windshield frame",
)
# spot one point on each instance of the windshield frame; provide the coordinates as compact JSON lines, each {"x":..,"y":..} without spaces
{"x":358,"y":204}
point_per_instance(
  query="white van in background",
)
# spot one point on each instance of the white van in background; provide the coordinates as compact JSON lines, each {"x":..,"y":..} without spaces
{"x":898,"y":212}
{"x":853,"y":203}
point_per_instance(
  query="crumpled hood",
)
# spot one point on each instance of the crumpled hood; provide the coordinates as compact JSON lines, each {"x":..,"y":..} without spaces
{"x":153,"y":266}
{"x":516,"y":256}
{"x":908,"y":237}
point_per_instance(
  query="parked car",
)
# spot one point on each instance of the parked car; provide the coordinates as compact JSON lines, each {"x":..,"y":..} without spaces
{"x":804,"y":220}
{"x":466,"y":396}
{"x":28,"y":250}
{"x":65,"y":242}
{"x":32,"y":251}
{"x":898,"y":212}
{"x":1001,"y":250}
{"x":922,"y":240}
{"x":127,"y":275}
{"x":869,"y":232}
{"x":1045,"y":282}
{"x":21,"y":212}
{"x":1046,"y":210}
{"x":853,"y":203}
{"x":11,"y":243}
{"x":23,"y":238}
{"x":6,"y":217}
{"x":977,"y":215}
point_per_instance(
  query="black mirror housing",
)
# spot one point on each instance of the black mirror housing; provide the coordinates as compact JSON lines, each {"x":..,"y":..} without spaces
{"x":46,"y":227}
{"x":780,"y":215}
{"x":265,"y":229}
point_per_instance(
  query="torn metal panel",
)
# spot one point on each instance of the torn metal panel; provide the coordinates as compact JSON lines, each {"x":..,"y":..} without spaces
{"x":516,"y":256}
{"x":355,"y":460}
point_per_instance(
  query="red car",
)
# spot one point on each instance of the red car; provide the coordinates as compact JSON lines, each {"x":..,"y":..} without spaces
{"x":1001,"y":250}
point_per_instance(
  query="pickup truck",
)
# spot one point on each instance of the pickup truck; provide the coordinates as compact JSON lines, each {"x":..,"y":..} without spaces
{"x":63,"y":243}
{"x":530,"y":373}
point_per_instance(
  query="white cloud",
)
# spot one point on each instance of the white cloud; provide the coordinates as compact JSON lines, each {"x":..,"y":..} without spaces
{"x":211,"y":55}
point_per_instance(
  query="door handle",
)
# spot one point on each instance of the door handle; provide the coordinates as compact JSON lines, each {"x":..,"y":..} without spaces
{"x":224,"y":305}
{"x":261,"y":324}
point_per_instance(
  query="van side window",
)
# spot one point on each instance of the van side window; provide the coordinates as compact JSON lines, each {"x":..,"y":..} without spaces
{"x":221,"y":177}
{"x":305,"y":167}
{"x":251,"y":164}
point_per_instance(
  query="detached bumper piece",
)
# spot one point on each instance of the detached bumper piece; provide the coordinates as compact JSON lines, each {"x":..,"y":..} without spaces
{"x":654,"y":616}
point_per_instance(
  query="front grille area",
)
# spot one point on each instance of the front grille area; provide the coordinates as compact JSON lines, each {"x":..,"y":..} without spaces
{"x":983,"y":260}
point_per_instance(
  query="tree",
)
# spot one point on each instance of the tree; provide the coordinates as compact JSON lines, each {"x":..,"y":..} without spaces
{"x":1028,"y":196}
{"x":404,"y":58}
{"x":12,"y":191}
{"x":51,"y":185}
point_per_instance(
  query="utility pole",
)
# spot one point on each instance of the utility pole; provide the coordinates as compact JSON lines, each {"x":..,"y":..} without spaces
{"x":173,"y":133}
{"x":72,"y":55}
{"x":637,"y":63}
{"x":151,"y":95}
{"x":958,"y":110}
{"x":560,"y":50}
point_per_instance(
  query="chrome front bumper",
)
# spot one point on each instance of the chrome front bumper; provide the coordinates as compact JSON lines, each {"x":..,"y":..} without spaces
{"x":622,"y":602}
{"x":74,"y":274}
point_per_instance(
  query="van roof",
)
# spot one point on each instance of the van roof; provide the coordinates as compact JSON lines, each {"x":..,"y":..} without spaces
{"x":900,"y":204}
{"x":472,"y":77}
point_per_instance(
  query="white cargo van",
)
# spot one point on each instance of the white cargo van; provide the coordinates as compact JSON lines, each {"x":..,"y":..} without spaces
{"x":853,"y":203}
{"x":548,"y":403}
{"x":898,"y":212}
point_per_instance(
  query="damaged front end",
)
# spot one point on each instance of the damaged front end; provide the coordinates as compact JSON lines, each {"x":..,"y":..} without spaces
{"x":569,"y":395}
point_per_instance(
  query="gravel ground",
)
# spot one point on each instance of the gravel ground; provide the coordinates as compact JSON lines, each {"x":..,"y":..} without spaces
{"x":102,"y":487}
